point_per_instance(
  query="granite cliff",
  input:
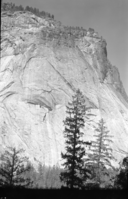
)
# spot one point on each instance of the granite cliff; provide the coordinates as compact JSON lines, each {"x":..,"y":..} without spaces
{"x":41,"y":67}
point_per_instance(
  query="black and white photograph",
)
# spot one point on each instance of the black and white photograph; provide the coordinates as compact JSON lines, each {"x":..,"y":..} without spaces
{"x":64,"y":99}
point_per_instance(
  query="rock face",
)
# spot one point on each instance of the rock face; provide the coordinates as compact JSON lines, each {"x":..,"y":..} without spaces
{"x":38,"y":76}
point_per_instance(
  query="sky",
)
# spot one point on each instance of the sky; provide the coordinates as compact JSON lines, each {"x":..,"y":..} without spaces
{"x":108,"y":17}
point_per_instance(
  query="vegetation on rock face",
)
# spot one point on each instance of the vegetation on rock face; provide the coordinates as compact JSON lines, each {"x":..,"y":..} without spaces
{"x":12,"y":169}
{"x":75,"y":173}
{"x":64,"y":35}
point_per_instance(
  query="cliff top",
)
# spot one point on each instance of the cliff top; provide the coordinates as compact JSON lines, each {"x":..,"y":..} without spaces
{"x":21,"y":23}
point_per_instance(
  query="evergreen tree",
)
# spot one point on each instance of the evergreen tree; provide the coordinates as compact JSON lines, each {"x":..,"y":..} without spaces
{"x":21,"y":8}
{"x":101,"y":152}
{"x":48,"y":177}
{"x":74,"y":170}
{"x":33,"y":175}
{"x":12,"y":169}
{"x":122,"y":178}
{"x":52,"y":16}
{"x":27,"y":8}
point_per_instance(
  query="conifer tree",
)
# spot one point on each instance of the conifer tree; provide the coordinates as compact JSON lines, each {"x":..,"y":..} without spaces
{"x":74,"y":170}
{"x":101,"y":152}
{"x":13,"y":169}
{"x":121,"y":180}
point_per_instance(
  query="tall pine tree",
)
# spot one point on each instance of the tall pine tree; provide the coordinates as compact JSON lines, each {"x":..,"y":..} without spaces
{"x":74,"y":169}
{"x":101,"y":152}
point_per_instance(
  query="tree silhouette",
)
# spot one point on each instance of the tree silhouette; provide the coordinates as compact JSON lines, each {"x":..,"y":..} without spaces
{"x":101,"y":153}
{"x":74,"y":169}
{"x":122,"y":178}
{"x":13,"y":169}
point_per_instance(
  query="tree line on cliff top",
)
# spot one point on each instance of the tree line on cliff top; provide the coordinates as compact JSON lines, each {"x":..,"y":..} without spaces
{"x":82,"y":168}
{"x":59,"y":30}
{"x":12,"y":8}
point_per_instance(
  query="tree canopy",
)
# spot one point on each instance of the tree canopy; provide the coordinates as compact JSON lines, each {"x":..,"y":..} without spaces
{"x":13,"y":168}
{"x":75,"y":173}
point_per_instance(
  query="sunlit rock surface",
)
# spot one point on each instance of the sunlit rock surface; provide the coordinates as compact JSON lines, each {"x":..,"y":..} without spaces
{"x":38,"y":78}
